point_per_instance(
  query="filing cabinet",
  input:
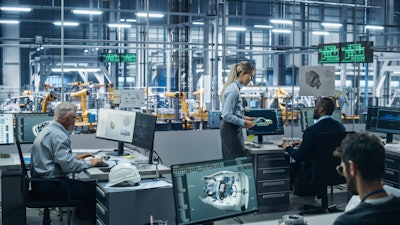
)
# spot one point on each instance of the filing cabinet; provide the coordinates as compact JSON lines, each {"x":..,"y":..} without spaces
{"x":273,"y":181}
{"x":127,"y":206}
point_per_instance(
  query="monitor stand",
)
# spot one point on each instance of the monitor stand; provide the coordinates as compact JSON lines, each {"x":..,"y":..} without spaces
{"x":119,"y":151}
{"x":389,"y":137}
{"x":261,"y":141}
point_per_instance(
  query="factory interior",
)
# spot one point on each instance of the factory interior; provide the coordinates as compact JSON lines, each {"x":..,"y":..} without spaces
{"x":166,"y":61}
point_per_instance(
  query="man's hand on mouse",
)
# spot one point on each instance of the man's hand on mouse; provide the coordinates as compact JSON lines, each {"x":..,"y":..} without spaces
{"x":84,"y":155}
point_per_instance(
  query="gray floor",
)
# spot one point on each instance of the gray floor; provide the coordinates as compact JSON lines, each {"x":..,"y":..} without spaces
{"x":34,"y":216}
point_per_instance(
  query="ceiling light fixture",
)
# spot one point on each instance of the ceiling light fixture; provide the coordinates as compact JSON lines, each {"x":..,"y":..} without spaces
{"x":320,"y":33}
{"x":374,"y":27}
{"x":58,"y":70}
{"x":9,"y":21}
{"x":233,"y":28}
{"x":68,"y":24}
{"x":152,"y":15}
{"x":87,"y":12}
{"x":332,"y":25}
{"x":198,"y":23}
{"x":119,"y":25}
{"x":263,"y":26}
{"x":15,"y":9}
{"x":279,"y":21}
{"x":283,"y":31}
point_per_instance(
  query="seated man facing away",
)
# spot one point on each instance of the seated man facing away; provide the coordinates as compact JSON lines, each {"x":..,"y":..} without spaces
{"x":301,"y":171}
{"x":52,"y":157}
{"x":363,"y":166}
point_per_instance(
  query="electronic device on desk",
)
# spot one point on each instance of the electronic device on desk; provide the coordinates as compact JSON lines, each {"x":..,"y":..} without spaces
{"x":29,"y":125}
{"x":269,"y":122}
{"x":307,"y":117}
{"x":213,"y":190}
{"x":383,"y":120}
{"x":6,"y":131}
{"x":116,"y":125}
{"x":143,"y":136}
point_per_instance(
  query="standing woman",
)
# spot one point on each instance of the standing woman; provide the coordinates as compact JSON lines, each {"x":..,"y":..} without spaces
{"x":233,"y":119}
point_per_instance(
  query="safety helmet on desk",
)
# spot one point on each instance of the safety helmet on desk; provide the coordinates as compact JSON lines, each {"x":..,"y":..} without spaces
{"x":123,"y":173}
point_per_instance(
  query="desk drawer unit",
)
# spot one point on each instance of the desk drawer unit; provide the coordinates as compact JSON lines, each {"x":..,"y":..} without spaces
{"x":391,"y":176}
{"x":273,"y":182}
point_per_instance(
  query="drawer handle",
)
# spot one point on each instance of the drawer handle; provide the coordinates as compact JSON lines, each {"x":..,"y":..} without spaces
{"x":101,"y":192}
{"x":98,"y":221}
{"x":275,"y":183}
{"x":273,"y":196}
{"x":389,"y":172}
{"x":390,"y":160}
{"x":273,"y":171}
{"x":273,"y":159}
{"x":101,"y":209}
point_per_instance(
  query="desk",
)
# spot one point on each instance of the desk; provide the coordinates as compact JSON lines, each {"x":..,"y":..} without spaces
{"x":312,"y":220}
{"x":272,"y":171}
{"x":140,"y":161}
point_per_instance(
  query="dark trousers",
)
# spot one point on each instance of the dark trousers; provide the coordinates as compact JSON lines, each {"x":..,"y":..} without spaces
{"x":232,"y":141}
{"x":84,"y":191}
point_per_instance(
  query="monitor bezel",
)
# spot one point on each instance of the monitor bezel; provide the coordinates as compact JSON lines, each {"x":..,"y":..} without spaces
{"x":12,"y":135}
{"x":19,"y":116}
{"x":153,"y":124}
{"x":209,"y":220}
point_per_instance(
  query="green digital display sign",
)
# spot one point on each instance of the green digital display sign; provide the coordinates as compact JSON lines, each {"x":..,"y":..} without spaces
{"x":116,"y":58}
{"x":110,"y":57}
{"x":346,"y":52}
{"x":129,"y":57}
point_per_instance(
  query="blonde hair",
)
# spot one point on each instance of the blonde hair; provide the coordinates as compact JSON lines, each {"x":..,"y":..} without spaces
{"x":234,"y":73}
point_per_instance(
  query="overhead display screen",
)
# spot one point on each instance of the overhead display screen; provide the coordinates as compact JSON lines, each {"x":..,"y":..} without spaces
{"x":346,"y":52}
{"x":116,"y":58}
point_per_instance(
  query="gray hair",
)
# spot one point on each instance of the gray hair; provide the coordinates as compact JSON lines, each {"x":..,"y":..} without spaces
{"x":63,"y":109}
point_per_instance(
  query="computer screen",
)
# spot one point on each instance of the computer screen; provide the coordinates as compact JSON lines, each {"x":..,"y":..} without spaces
{"x":269,"y":122}
{"x":307,"y":117}
{"x":143,"y":137}
{"x":6,"y":129}
{"x":28,"y":125}
{"x":116,"y":125}
{"x":384,"y":120}
{"x":213,"y":190}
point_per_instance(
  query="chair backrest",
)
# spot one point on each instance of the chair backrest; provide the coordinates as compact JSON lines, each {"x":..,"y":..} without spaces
{"x":21,"y":158}
{"x":324,"y":162}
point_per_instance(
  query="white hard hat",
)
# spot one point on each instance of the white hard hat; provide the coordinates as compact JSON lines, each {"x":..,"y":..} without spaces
{"x":124,"y":172}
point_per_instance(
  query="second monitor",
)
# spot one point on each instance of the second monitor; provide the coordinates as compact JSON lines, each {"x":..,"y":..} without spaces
{"x":268,"y":122}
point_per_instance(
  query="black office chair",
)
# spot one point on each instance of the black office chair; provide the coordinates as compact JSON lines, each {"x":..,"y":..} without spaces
{"x":324,"y":172}
{"x":31,"y":201}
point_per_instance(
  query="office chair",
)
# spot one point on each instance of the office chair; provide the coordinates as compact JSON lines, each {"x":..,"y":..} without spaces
{"x":324,"y":172}
{"x":31,"y":201}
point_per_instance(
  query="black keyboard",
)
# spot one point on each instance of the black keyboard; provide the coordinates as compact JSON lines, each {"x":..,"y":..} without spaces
{"x":101,"y":164}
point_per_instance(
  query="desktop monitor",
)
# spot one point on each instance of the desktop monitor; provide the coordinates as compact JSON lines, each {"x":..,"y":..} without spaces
{"x":307,"y":117}
{"x":213,"y":190}
{"x":6,"y":129}
{"x":383,"y":120}
{"x":268,"y":122}
{"x":143,"y":137}
{"x":116,"y":125}
{"x":28,"y":125}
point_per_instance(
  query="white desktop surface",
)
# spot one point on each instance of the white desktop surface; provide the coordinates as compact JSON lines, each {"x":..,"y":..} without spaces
{"x":325,"y":219}
{"x":13,"y":161}
{"x":393,"y":148}
{"x":265,"y":148}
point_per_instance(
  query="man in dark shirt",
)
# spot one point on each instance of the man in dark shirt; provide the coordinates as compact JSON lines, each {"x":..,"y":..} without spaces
{"x":363,"y":166}
{"x":302,"y":153}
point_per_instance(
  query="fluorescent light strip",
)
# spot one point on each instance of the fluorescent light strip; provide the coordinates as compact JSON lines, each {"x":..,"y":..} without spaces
{"x":374,"y":27}
{"x":128,"y":20}
{"x":152,"y":15}
{"x":87,"y":12}
{"x":263,"y":26}
{"x":15,"y":9}
{"x":119,"y":25}
{"x":58,"y":70}
{"x":283,"y":31}
{"x":9,"y":21}
{"x":69,"y":24}
{"x":198,"y":23}
{"x":236,"y":28}
{"x":396,"y":73}
{"x":320,"y":33}
{"x":277,"y":21}
{"x":332,"y":25}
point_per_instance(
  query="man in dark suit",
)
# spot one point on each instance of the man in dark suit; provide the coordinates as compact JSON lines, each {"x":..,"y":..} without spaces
{"x":302,"y":153}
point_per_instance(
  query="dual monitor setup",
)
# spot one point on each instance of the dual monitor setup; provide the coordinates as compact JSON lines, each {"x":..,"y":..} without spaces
{"x":116,"y":125}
